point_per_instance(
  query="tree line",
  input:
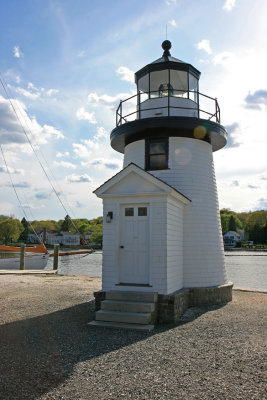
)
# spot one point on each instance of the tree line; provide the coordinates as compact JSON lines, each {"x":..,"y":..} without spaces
{"x":11,"y":229}
{"x":253,"y":222}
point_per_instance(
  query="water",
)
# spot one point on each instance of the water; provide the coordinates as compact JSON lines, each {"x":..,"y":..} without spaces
{"x":245,"y":269}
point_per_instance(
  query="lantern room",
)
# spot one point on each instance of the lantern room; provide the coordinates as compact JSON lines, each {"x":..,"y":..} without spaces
{"x":168,"y":103}
{"x":167,"y":86}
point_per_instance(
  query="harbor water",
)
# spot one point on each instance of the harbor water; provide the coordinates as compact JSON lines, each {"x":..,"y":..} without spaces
{"x":247,"y":269}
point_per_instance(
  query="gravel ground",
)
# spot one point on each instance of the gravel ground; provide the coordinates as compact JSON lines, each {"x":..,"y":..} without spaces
{"x":49,"y":352}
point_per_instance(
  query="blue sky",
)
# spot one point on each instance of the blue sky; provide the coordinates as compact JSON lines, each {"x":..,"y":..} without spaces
{"x":66,"y":65}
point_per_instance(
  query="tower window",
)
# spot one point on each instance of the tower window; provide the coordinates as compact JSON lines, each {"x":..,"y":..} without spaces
{"x":157,"y":154}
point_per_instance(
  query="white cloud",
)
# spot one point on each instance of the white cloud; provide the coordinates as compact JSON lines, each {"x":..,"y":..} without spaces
{"x":59,"y":155}
{"x":34,"y":92}
{"x":47,"y":130}
{"x":11,"y":131}
{"x":107,"y":100}
{"x":169,"y":2}
{"x":226,"y":59}
{"x":229,"y":4}
{"x":81,"y":114}
{"x":65,"y":164}
{"x":31,"y":86}
{"x":27,"y":93}
{"x":49,"y":92}
{"x":81,"y":53}
{"x":84,"y":178}
{"x":172,"y":22}
{"x":43,"y":195}
{"x":264,"y":176}
{"x":235,"y":183}
{"x":85,"y":149}
{"x":204,"y":45}
{"x":17,"y":52}
{"x":100,"y":163}
{"x":15,"y":171}
{"x":101,"y":133}
{"x":256,"y":100}
{"x":126,"y":74}
{"x":234,"y":135}
{"x":81,"y":150}
{"x":22,"y":185}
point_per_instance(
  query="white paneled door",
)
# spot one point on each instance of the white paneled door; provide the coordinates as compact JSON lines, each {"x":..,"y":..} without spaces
{"x":134,"y":244}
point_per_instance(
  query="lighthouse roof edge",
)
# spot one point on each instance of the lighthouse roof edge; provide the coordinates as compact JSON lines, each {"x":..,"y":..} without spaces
{"x":167,"y":63}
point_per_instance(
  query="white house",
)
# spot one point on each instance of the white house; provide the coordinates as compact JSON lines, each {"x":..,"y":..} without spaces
{"x":52,"y":237}
{"x":230,"y":238}
{"x":162,"y":239}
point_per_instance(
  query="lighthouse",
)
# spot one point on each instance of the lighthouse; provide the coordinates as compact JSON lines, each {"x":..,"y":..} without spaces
{"x":162,"y":239}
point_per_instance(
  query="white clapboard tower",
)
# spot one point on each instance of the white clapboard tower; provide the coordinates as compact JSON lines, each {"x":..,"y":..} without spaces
{"x":162,"y":233}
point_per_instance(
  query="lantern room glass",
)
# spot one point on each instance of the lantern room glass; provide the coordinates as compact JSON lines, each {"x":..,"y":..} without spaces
{"x":168,"y":82}
{"x":193,"y":88}
{"x":179,"y":82}
{"x":158,"y":78}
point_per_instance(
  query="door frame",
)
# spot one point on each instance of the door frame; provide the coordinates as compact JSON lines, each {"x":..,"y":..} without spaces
{"x":134,"y":203}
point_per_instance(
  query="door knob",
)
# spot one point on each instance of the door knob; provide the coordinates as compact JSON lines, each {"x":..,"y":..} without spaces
{"x":122,"y":247}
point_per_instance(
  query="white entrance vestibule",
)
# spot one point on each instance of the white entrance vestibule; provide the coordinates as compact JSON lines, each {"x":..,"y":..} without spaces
{"x":134,"y":244}
{"x":143,"y":244}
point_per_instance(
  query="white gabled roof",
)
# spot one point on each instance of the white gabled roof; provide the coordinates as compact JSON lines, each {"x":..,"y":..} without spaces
{"x":133,"y":180}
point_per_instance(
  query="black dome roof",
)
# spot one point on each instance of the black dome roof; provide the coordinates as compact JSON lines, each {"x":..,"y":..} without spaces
{"x":167,"y":62}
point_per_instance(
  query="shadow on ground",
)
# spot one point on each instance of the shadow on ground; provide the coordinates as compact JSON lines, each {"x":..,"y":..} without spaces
{"x":40,"y":353}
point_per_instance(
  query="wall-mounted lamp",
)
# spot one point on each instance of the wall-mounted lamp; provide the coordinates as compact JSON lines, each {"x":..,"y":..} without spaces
{"x":109,"y":217}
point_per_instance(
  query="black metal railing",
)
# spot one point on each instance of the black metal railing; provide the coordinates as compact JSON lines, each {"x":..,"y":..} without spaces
{"x":131,"y":109}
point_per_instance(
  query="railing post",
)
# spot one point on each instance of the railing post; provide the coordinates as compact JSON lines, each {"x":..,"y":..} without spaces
{"x":55,"y":261}
{"x":22,"y":257}
{"x":168,"y":101}
{"x":138,"y":100}
{"x":198,"y":104}
{"x":216,"y":108}
{"x":120,"y":112}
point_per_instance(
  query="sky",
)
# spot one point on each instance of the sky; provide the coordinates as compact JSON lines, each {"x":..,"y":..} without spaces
{"x":65,"y":65}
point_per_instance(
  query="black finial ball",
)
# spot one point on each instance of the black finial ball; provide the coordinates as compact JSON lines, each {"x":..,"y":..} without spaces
{"x":166,"y":45}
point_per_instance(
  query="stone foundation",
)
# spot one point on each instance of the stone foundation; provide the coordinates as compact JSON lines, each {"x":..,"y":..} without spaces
{"x":170,"y":307}
{"x":210,"y":296}
{"x":99,"y":296}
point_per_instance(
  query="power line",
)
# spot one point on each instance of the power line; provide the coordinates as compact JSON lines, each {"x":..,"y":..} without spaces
{"x":35,"y":153}
{"x":12,"y":183}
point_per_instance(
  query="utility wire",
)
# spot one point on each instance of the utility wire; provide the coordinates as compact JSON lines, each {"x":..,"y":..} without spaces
{"x":12,"y":183}
{"x":35,"y":153}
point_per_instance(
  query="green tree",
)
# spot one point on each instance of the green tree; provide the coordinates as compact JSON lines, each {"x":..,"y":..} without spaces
{"x":40,"y":225}
{"x":232,"y":224}
{"x":226,"y":211}
{"x":10,"y":229}
{"x":225,"y":222}
{"x":25,"y":232}
{"x":257,"y":217}
{"x":66,"y":224}
{"x":3,"y":217}
{"x":96,"y":237}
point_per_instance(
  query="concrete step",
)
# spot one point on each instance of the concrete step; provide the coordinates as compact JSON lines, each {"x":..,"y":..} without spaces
{"x":130,"y":306}
{"x":118,"y":316}
{"x":121,"y":325}
{"x":145,"y":297}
